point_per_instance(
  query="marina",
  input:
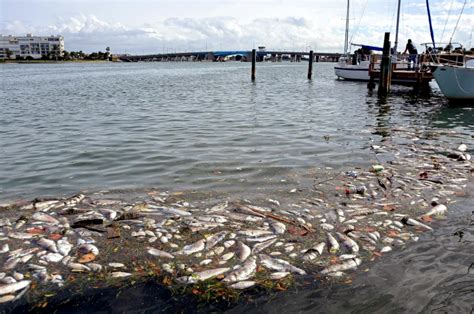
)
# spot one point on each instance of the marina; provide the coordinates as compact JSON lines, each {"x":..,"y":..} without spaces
{"x":220,"y":157}
{"x":303,"y":216}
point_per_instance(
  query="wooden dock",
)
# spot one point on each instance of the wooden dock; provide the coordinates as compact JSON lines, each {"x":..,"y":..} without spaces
{"x":420,"y":76}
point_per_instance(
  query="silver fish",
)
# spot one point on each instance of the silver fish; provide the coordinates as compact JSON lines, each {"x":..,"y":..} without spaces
{"x":262,"y":246}
{"x":193,"y":248}
{"x":156,"y":252}
{"x":437,"y":210}
{"x":88,"y":248}
{"x":21,"y":235}
{"x":64,"y":247}
{"x":243,"y":251}
{"x":52,"y":257}
{"x":48,"y":244}
{"x":333,"y":244}
{"x":203,"y":275}
{"x":348,"y":242}
{"x":11,"y":263}
{"x":242,"y":285}
{"x":254,"y":232}
{"x":214,"y":239}
{"x":348,"y":264}
{"x":279,"y":275}
{"x":246,"y":271}
{"x":78,"y":267}
{"x":278,"y":227}
{"x":413,"y":222}
{"x":279,"y":264}
{"x":13,"y":287}
{"x":45,"y":218}
{"x":261,"y":239}
{"x":5,"y":248}
{"x":120,"y":274}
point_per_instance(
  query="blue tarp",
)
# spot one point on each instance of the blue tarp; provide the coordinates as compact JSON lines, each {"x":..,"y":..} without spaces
{"x":367,"y":47}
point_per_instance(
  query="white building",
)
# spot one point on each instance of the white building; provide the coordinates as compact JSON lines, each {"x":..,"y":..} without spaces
{"x":31,"y":46}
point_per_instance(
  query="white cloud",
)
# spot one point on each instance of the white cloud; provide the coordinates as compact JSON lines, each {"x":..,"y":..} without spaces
{"x":324,"y":31}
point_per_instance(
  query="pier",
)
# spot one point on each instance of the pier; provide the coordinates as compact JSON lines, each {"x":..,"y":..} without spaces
{"x":233,"y":55}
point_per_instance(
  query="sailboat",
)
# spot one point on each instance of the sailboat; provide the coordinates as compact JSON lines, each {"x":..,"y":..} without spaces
{"x":456,"y":81}
{"x":354,"y":69}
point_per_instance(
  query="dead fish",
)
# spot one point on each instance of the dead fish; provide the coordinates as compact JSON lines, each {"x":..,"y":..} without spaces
{"x":242,"y":285}
{"x":437,"y":210}
{"x":64,"y":247}
{"x":5,"y":248}
{"x":314,"y":252}
{"x":13,"y":287}
{"x":217,"y":208}
{"x":278,"y":227}
{"x":120,"y":274}
{"x":174,"y":211}
{"x":227,"y":256}
{"x":348,"y":264}
{"x":95,"y":267}
{"x":76,"y":199}
{"x":348,"y":242}
{"x":116,"y":265}
{"x":214,"y":239}
{"x":279,"y":275}
{"x":8,"y":280}
{"x":45,"y":205}
{"x":243,"y":251}
{"x":39,"y":216}
{"x":279,"y":264}
{"x":7,"y":298}
{"x":88,"y":248}
{"x":52,"y":257}
{"x":48,"y":244}
{"x":261,"y":239}
{"x":78,"y":267}
{"x":327,"y":227}
{"x":156,"y":252}
{"x":333,"y":244}
{"x":262,"y":245}
{"x":246,"y":271}
{"x":21,"y":235}
{"x":462,"y":148}
{"x":193,"y":248}
{"x":203,"y":275}
{"x":254,"y":232}
{"x":413,"y":222}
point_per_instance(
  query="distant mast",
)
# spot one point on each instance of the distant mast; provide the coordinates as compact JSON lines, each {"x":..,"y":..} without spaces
{"x":346,"y":40}
{"x":396,"y":30}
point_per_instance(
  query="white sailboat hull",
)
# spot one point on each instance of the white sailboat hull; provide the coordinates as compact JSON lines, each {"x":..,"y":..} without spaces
{"x":455,"y":82}
{"x":352,"y":72}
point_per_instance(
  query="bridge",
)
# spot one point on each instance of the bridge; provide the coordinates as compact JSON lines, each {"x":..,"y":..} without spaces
{"x":237,"y":55}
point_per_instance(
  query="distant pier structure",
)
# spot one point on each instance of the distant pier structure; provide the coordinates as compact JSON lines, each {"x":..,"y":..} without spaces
{"x":234,"y":55}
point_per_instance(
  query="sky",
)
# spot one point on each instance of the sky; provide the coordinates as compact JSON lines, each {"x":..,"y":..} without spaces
{"x":156,"y":26}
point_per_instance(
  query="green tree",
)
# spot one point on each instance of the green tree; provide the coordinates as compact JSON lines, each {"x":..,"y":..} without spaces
{"x":9,"y":53}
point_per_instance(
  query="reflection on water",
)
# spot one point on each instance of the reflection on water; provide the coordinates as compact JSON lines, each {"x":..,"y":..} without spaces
{"x":69,"y":127}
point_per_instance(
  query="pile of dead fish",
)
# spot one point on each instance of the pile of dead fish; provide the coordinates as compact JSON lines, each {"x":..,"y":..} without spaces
{"x":358,"y":215}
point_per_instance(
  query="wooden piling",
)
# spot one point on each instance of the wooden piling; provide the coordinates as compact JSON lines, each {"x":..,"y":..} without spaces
{"x":385,"y":67}
{"x":310,"y":65}
{"x":254,"y":61}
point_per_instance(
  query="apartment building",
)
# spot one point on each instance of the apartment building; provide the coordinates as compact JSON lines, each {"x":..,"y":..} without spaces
{"x":31,"y":46}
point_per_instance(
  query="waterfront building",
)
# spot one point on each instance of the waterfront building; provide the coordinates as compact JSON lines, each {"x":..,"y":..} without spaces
{"x":30,"y":46}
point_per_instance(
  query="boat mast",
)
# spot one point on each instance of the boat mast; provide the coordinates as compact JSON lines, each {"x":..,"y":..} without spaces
{"x":396,"y":30}
{"x":346,"y":40}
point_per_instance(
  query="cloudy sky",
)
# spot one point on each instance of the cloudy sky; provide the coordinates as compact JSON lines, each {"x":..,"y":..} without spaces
{"x":153,"y":26}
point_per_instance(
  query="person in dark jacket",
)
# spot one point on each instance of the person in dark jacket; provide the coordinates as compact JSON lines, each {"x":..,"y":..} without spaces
{"x":410,"y":47}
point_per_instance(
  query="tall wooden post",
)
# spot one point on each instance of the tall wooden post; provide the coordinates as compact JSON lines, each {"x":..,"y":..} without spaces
{"x":385,"y":67}
{"x":310,"y":64}
{"x":254,"y":60}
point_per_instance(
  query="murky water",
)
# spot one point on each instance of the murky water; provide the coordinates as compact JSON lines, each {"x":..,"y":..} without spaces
{"x":192,"y":126}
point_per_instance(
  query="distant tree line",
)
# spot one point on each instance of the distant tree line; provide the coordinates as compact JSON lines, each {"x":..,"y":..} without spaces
{"x":66,"y":55}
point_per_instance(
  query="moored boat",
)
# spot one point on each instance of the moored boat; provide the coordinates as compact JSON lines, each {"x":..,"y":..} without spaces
{"x":456,"y":82}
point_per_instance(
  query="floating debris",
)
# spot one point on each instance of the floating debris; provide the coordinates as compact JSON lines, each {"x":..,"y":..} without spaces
{"x":237,"y":244}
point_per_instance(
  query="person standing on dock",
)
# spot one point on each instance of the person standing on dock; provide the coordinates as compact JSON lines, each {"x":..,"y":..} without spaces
{"x":410,"y":47}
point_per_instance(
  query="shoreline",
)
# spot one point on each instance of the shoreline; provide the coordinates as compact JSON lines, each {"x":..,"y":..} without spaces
{"x":217,"y":249}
